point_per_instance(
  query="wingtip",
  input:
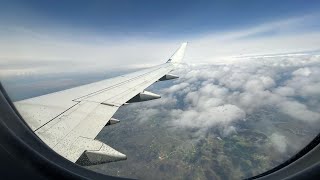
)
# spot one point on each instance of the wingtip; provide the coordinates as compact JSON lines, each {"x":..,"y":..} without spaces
{"x":178,"y":55}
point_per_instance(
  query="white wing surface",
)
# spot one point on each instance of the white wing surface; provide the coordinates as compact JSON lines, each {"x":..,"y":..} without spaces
{"x":68,"y":121}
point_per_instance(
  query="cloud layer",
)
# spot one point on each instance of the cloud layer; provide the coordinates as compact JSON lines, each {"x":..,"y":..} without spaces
{"x":222,"y":96}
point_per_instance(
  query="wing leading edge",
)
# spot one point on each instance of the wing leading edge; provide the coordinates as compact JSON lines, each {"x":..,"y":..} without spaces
{"x":68,"y":121}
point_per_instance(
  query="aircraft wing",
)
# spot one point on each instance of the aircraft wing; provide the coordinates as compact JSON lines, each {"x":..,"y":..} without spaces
{"x":68,"y":121}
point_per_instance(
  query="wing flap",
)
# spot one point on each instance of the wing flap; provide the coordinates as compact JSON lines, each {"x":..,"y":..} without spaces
{"x":85,"y":120}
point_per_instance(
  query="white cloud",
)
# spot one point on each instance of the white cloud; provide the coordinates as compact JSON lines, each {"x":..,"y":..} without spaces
{"x":220,"y":96}
{"x":302,"y":72}
{"x":228,"y":130}
{"x":299,"y":111}
{"x":177,"y":87}
{"x":312,"y":90}
{"x":206,"y":118}
{"x":308,"y":78}
{"x":144,"y":115}
{"x":285,"y":91}
{"x":279,"y":142}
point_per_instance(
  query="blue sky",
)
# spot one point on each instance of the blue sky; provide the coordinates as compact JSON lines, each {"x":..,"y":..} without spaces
{"x":155,"y":18}
{"x":93,"y":34}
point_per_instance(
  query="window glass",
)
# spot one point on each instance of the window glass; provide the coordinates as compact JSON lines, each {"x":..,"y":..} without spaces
{"x":247,"y":98}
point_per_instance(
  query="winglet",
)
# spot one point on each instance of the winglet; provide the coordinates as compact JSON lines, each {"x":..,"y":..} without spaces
{"x":178,"y":55}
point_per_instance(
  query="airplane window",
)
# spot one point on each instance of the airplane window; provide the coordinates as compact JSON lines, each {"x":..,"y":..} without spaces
{"x":115,"y":87}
